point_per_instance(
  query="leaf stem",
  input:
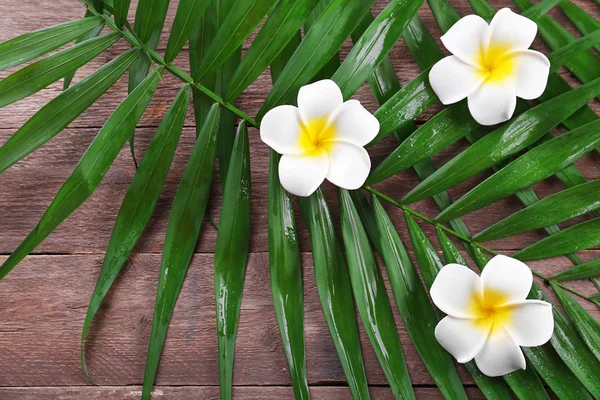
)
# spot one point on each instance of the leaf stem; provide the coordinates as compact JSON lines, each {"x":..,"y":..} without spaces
{"x":130,"y":36}
{"x":425,"y":218}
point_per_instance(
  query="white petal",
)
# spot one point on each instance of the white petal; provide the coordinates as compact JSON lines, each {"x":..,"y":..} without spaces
{"x":467,"y":39}
{"x":500,"y":354}
{"x":531,"y":322}
{"x":281,"y":128}
{"x":463,"y":338}
{"x":319,"y":100}
{"x":531,"y":69}
{"x":511,"y":31}
{"x":493,"y":102}
{"x":302,"y":174}
{"x":507,"y":276}
{"x":349,"y":165}
{"x":354,"y":124}
{"x":454,"y":289}
{"x":452,"y":80}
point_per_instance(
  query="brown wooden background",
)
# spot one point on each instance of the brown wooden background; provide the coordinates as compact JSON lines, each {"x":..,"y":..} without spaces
{"x":44,"y":300}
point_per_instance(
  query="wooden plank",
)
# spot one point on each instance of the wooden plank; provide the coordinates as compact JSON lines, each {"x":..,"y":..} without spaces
{"x":44,"y":302}
{"x":207,"y":393}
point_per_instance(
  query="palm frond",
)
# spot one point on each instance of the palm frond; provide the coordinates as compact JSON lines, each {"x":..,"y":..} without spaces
{"x":138,"y":204}
{"x":582,"y":271}
{"x":562,"y":206}
{"x":372,"y":301}
{"x":62,"y":110}
{"x":40,"y":74}
{"x":187,"y":213}
{"x":505,"y":141}
{"x":231,"y":254}
{"x":585,"y":23}
{"x":335,"y":292}
{"x":534,"y":166}
{"x":321,"y":42}
{"x":34,"y":44}
{"x":89,"y":172}
{"x":188,"y":17}
{"x":279,"y":29}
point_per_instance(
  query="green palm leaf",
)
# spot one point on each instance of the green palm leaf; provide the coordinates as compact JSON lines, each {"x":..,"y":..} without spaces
{"x":200,"y":40}
{"x":572,"y":349}
{"x":405,"y":105}
{"x":586,"y":270}
{"x":231,"y":254}
{"x":121,"y":9}
{"x":575,"y":238}
{"x":187,"y":213}
{"x":40,"y":74}
{"x":584,"y":22}
{"x":532,"y":167}
{"x":240,"y":22}
{"x":559,"y":207}
{"x":555,"y":373}
{"x":561,"y":56}
{"x":586,"y":325}
{"x":188,"y":17}
{"x":372,"y":301}
{"x":62,"y":110}
{"x":82,"y":38}
{"x":321,"y":42}
{"x":90,"y":170}
{"x":138,"y":204}
{"x":428,"y":260}
{"x":374,"y":44}
{"x":283,"y":24}
{"x":285,"y":270}
{"x":412,"y":301}
{"x":335,"y":292}
{"x":505,"y":141}
{"x":436,"y":134}
{"x":149,"y":21}
{"x":449,"y":250}
{"x":421,"y":45}
{"x":285,"y":265}
{"x":334,"y":62}
{"x":37,"y":43}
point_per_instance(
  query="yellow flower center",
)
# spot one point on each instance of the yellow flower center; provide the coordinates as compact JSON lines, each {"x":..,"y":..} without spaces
{"x":496,"y":63}
{"x":490,"y":309}
{"x":316,"y":136}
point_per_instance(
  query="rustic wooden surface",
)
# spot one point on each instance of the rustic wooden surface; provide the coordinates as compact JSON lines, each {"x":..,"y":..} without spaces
{"x":44,"y":300}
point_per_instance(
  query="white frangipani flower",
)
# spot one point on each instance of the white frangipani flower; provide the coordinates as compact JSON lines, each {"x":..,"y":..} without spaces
{"x":490,"y":65}
{"x":322,"y":138}
{"x":488,"y":317}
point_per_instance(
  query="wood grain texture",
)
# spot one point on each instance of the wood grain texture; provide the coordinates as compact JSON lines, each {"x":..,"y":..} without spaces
{"x":205,"y":393}
{"x":44,"y":300}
